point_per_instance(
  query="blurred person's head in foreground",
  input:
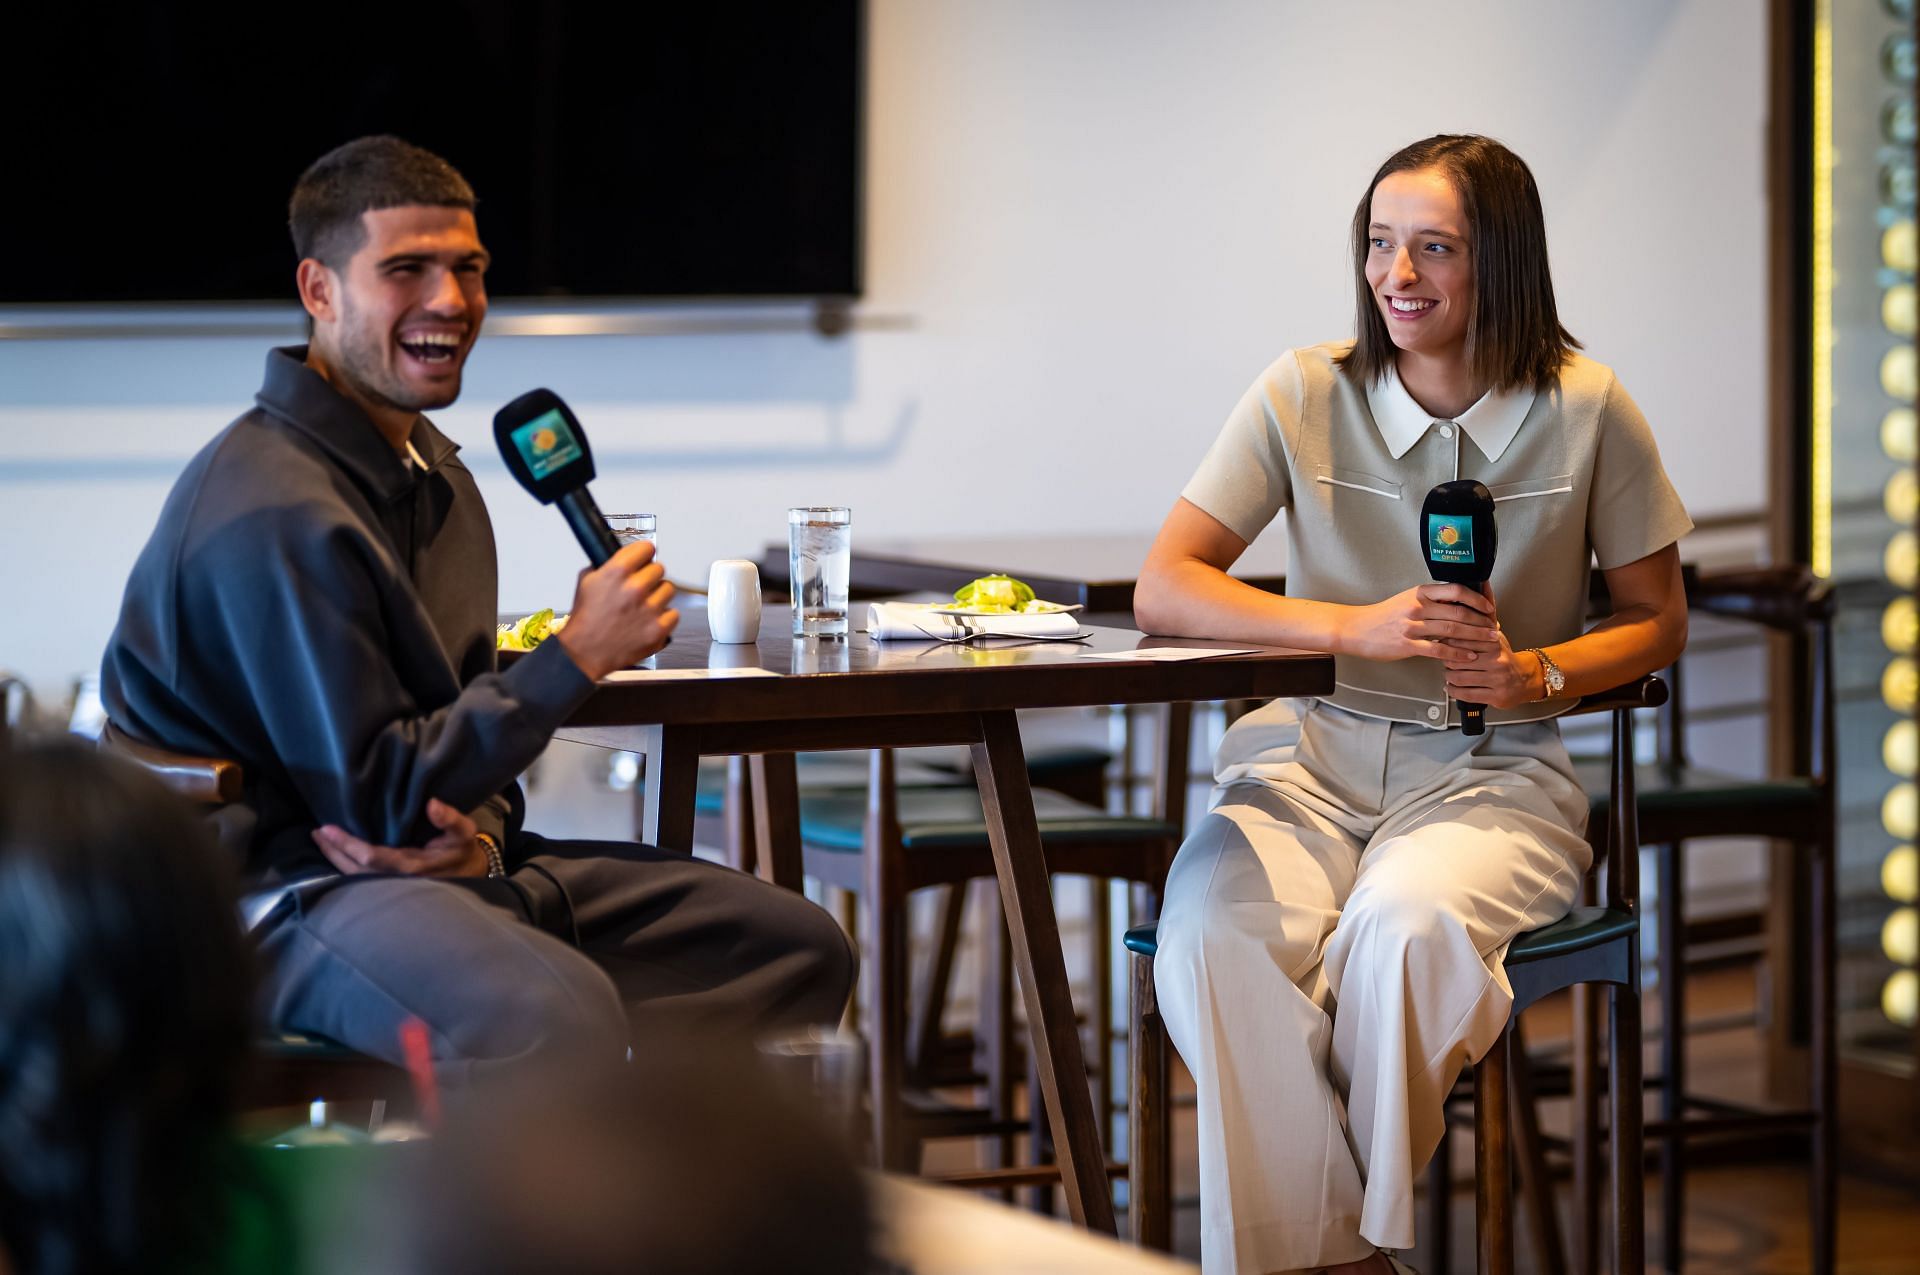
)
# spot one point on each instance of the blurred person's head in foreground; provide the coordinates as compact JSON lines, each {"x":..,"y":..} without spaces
{"x":689,"y":1161}
{"x":124,"y":1019}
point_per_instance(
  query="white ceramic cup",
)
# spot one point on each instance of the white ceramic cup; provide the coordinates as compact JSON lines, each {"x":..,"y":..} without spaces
{"x":733,"y":600}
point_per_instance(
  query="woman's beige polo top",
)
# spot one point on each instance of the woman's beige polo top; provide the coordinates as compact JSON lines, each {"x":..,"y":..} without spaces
{"x":1574,"y":473}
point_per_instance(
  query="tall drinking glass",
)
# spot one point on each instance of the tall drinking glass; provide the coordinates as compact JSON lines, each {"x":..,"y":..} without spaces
{"x":819,"y":556}
{"x":819,"y":1069}
{"x":627,"y":528}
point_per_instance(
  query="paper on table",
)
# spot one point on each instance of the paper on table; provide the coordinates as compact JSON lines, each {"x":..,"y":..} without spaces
{"x":683,"y":674}
{"x":1170,"y":653}
{"x":914,"y":621}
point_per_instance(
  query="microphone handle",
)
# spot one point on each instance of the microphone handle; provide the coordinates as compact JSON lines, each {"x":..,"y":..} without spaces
{"x":589,"y":525}
{"x":1473,"y":717}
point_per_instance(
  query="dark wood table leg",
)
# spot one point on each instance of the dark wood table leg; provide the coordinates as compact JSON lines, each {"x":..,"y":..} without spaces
{"x":666,"y":803}
{"x":927,"y":1039}
{"x":996,"y":998}
{"x":776,"y":819}
{"x":1171,"y":781}
{"x":741,"y":856}
{"x":1001,"y":769}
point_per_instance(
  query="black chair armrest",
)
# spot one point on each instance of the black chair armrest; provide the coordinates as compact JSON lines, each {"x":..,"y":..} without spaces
{"x":1649,"y":691}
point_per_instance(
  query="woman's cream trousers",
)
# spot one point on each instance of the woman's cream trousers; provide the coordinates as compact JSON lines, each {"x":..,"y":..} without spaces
{"x":1330,"y":958}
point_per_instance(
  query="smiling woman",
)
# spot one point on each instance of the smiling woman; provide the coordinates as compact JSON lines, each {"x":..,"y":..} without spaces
{"x":1448,"y":317}
{"x":1331,"y":941}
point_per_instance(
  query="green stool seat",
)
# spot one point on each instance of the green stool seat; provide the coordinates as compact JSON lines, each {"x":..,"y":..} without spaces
{"x":1680,"y":790}
{"x":951,"y":818}
{"x":1578,"y":930}
{"x":1045,"y":760}
{"x":847,"y":770}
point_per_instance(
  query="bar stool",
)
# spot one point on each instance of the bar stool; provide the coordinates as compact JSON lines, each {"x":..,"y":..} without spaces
{"x":888,"y":842}
{"x":1589,"y":945}
{"x":1680,"y":801}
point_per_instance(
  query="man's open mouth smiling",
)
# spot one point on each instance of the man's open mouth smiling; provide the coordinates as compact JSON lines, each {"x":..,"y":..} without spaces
{"x":432,"y":347}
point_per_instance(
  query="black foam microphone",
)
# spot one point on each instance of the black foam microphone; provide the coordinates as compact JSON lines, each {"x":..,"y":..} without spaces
{"x":1458,"y":540}
{"x":546,"y":451}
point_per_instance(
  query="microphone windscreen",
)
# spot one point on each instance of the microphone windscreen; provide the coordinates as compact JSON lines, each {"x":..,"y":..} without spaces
{"x":543,"y":446}
{"x":1457,"y":534}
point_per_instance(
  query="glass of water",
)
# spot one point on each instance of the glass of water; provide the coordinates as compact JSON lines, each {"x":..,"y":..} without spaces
{"x":627,"y":528}
{"x":819,"y":554}
{"x":819,"y":1069}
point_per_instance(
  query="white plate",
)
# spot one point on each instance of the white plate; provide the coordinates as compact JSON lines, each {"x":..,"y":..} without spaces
{"x":1038,"y":608}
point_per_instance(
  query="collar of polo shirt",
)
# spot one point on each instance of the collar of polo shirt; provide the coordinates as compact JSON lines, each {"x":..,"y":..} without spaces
{"x":1491,"y":423}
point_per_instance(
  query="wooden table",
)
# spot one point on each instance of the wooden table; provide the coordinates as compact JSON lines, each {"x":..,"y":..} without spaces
{"x":858,"y":693}
{"x":1098,"y":572}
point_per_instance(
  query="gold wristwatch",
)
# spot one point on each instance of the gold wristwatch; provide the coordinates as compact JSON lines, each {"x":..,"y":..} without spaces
{"x":496,"y":865}
{"x":1550,"y":673}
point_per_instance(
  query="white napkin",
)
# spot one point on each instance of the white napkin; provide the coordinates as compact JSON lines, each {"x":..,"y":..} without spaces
{"x":917,"y":620}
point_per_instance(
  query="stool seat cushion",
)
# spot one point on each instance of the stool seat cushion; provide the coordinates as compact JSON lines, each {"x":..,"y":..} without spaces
{"x":1578,"y":930}
{"x":1043,"y":761}
{"x":846,"y":770}
{"x":952,"y":818}
{"x":1582,"y":928}
{"x":1685,"y":789}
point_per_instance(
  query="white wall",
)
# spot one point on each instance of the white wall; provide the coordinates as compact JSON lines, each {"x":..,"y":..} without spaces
{"x":1103,"y":219}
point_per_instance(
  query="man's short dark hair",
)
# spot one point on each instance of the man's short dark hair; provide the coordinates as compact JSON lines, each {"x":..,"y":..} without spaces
{"x":365,"y":175}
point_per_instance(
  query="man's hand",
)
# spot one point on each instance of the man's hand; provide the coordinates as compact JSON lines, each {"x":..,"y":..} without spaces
{"x":1486,"y":670}
{"x":1415,"y":622}
{"x":620,"y":612}
{"x":456,"y":852}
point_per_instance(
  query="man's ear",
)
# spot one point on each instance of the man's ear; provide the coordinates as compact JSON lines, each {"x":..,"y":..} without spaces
{"x":319,"y":289}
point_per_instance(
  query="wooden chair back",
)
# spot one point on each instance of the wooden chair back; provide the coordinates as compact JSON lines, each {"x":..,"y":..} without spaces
{"x":207,"y":781}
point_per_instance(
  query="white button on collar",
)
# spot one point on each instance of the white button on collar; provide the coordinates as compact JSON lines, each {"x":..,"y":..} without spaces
{"x":1433,"y":714}
{"x":1446,"y":431}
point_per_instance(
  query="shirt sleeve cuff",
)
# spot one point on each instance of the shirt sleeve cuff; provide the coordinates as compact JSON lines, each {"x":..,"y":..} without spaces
{"x":548,"y":682}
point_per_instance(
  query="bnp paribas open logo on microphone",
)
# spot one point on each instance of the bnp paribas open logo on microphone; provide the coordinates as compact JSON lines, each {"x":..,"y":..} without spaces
{"x":1450,"y":538}
{"x":546,"y":444}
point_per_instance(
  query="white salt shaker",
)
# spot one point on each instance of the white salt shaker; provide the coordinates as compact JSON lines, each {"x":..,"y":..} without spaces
{"x":733,"y":600}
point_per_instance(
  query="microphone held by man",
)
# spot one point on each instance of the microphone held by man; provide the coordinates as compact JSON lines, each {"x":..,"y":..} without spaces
{"x":621,"y":611}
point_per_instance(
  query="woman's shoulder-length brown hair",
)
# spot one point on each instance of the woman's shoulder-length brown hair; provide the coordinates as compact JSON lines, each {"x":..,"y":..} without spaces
{"x":1514,"y":337}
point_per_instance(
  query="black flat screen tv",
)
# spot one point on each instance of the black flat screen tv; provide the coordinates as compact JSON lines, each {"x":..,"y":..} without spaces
{"x":632,"y":149}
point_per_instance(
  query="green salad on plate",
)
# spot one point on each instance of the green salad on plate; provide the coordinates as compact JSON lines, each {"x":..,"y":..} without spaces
{"x":1002,"y":595}
{"x":529,"y":631}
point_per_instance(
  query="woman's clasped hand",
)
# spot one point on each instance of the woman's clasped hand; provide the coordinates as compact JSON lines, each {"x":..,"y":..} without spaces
{"x":1458,"y":625}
